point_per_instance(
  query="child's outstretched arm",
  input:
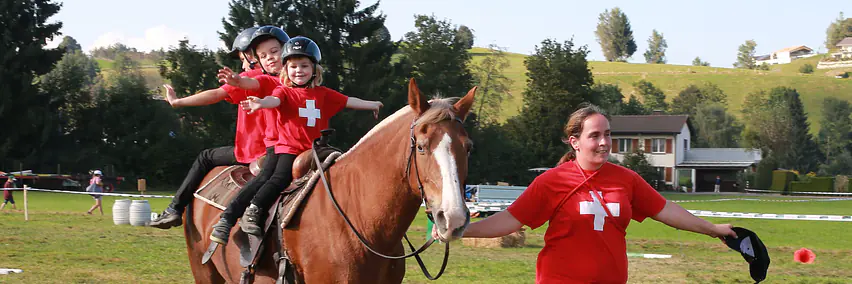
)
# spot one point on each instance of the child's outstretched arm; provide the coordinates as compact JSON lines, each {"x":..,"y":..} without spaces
{"x":228,"y":76}
{"x":356,"y":103}
{"x":203,"y":98}
{"x":253,"y":103}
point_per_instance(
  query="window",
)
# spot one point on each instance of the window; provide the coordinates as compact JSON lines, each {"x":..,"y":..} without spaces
{"x":624,"y":145}
{"x":685,"y":146}
{"x":658,"y":145}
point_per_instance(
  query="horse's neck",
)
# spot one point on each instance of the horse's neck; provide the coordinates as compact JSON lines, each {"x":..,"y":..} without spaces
{"x":373,"y":178}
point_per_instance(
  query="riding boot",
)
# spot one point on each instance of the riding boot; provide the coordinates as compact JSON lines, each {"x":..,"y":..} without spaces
{"x":169,"y":218}
{"x":221,"y":231}
{"x":251,"y":221}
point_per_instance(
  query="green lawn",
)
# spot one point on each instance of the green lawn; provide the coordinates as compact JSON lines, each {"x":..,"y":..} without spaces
{"x":61,"y":244}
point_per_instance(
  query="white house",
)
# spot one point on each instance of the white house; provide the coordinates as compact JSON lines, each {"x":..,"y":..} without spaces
{"x":785,"y":55}
{"x":845,"y":46}
{"x":665,"y":140}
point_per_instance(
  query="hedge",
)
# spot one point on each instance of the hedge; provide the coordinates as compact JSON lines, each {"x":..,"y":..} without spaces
{"x":815,"y":184}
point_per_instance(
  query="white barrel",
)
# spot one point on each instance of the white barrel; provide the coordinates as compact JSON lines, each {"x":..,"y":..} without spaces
{"x":140,"y":213}
{"x":121,"y":212}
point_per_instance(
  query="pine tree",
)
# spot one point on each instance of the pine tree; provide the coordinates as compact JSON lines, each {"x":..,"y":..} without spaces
{"x":656,"y":53}
{"x":493,"y":85}
{"x":745,"y":55}
{"x":28,"y":121}
{"x":559,"y":81}
{"x":615,"y":35}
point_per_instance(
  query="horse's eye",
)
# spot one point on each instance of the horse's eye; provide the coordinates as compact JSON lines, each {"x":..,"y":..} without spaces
{"x":420,"y":148}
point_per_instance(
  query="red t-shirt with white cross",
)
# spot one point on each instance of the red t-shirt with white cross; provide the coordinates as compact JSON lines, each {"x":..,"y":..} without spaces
{"x":302,"y":114}
{"x":581,"y":244}
{"x":252,"y":135}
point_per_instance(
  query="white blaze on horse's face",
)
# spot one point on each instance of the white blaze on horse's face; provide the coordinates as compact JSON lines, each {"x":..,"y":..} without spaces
{"x":452,"y":215}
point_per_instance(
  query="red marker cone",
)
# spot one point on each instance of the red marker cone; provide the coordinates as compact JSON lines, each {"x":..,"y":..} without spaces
{"x":804,"y":255}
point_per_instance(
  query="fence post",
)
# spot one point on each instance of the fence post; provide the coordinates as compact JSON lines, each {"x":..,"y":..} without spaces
{"x":26,"y":209}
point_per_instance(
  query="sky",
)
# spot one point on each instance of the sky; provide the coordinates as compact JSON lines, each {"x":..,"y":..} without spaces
{"x":710,"y":29}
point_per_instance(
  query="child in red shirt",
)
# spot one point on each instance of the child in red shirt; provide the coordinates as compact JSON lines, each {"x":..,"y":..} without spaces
{"x":252,"y":139}
{"x":304,"y":108}
{"x":588,"y":203}
{"x":7,"y":194}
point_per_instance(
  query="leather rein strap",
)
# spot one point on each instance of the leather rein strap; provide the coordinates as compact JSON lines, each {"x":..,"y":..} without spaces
{"x":429,"y":240}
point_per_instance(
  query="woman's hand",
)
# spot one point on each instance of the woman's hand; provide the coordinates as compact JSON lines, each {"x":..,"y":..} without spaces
{"x":227,"y":76}
{"x":722,"y":230}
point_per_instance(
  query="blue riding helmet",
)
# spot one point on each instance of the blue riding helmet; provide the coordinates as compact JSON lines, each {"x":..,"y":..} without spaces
{"x":266,"y":32}
{"x":242,"y":41}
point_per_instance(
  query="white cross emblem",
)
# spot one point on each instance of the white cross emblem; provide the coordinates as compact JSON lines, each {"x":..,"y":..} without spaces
{"x":310,"y":112}
{"x":587,"y":207}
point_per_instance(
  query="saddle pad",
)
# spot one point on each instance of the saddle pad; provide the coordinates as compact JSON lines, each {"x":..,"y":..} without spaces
{"x":219,"y":190}
{"x":296,"y":193}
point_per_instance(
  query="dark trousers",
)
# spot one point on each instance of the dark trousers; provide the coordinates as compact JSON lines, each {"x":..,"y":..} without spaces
{"x":206,"y":161}
{"x":271,"y":175}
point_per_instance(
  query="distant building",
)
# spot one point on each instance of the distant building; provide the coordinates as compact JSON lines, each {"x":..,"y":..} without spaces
{"x":845,"y":46}
{"x":785,"y":55}
{"x":665,"y":140}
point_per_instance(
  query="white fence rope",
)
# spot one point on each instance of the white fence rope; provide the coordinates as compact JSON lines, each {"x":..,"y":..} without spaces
{"x":800,"y":192}
{"x":92,"y":193}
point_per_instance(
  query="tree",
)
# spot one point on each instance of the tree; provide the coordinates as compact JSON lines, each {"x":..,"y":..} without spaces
{"x":356,"y":51}
{"x":190,"y":71}
{"x":776,"y":123}
{"x":690,"y":99}
{"x":28,"y":122}
{"x":697,"y":62}
{"x":437,"y":57}
{"x":609,"y":98}
{"x":835,"y":134}
{"x":559,"y":81}
{"x":715,"y":127}
{"x":633,"y":107}
{"x":837,"y":31}
{"x":637,"y":162}
{"x":745,"y":55}
{"x":465,"y":35}
{"x":615,"y":35}
{"x":493,"y":85}
{"x":652,"y":98}
{"x":69,"y":44}
{"x":656,"y":52}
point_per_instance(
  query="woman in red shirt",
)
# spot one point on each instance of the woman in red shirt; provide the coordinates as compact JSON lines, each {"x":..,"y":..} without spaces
{"x":588,"y":203}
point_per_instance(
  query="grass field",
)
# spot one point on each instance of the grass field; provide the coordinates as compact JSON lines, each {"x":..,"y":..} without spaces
{"x":736,"y":83}
{"x":61,"y":244}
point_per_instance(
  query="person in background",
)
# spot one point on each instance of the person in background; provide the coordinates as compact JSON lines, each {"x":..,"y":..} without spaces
{"x":7,"y":194}
{"x":718,"y":184}
{"x":96,"y":185}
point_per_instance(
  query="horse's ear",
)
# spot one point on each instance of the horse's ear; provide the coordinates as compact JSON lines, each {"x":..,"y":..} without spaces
{"x":417,"y":102}
{"x":463,"y":105}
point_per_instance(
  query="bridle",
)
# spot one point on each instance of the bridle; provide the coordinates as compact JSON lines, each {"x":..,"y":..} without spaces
{"x":429,"y":241}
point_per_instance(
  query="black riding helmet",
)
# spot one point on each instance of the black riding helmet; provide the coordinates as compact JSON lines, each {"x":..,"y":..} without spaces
{"x":302,"y":46}
{"x":241,"y":42}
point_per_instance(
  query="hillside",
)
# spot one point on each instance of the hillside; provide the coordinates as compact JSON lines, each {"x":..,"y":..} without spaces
{"x":736,"y":83}
{"x":148,"y":68}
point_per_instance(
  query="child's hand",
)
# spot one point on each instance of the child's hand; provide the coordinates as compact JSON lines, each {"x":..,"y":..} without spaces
{"x":227,"y":76}
{"x":171,"y":97}
{"x":252,"y":104}
{"x":377,"y":105}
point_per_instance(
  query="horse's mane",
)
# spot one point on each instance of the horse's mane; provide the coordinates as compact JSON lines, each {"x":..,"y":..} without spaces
{"x":439,"y":109}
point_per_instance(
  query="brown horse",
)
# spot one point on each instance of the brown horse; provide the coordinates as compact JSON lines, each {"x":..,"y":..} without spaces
{"x":379,"y":185}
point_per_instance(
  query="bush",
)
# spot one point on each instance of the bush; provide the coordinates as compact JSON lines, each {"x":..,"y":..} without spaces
{"x":806,"y":69}
{"x":815,"y":184}
{"x":841,"y":183}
